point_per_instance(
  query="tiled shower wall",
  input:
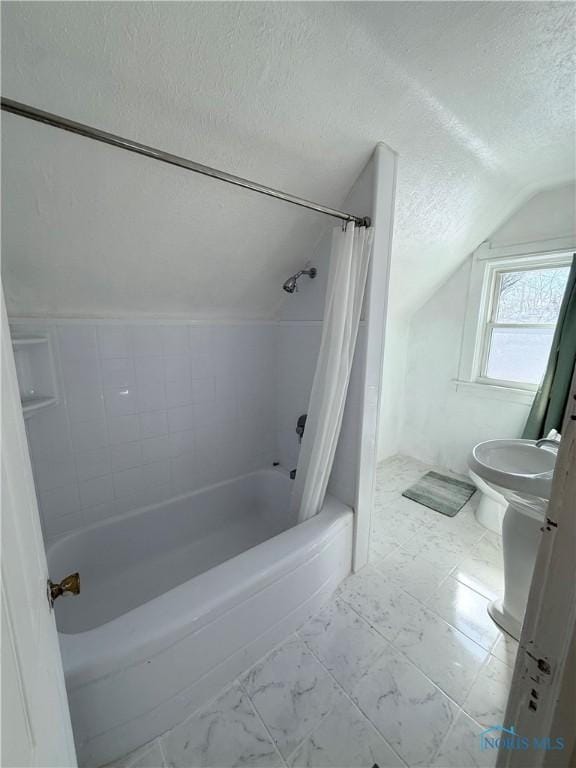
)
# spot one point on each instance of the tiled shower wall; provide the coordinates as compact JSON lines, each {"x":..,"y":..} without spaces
{"x":149,"y":411}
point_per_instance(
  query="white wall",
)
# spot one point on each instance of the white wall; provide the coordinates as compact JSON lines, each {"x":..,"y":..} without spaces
{"x":300,"y":332}
{"x":149,"y":411}
{"x":441,"y":423}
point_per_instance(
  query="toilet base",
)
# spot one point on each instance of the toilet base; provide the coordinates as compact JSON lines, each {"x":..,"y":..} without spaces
{"x":505,"y":620}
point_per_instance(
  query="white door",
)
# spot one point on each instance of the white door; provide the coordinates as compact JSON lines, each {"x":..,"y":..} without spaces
{"x":36,"y":728}
{"x":543,"y":693}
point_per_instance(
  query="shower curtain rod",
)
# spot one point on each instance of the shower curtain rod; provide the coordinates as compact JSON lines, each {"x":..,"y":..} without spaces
{"x":24,"y":110}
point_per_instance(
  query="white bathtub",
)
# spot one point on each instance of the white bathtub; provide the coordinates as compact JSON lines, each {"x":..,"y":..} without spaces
{"x":179,"y":598}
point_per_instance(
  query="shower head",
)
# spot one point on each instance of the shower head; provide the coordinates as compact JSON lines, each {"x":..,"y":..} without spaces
{"x":291,"y":284}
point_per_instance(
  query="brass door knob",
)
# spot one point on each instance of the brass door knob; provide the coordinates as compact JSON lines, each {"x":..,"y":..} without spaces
{"x":69,"y":583}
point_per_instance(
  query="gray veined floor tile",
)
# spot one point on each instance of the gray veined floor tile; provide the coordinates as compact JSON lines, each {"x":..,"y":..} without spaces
{"x":448,"y":657}
{"x":345,"y":644}
{"x":411,"y":713}
{"x":487,"y":699}
{"x":292,"y":692}
{"x":384,"y":605}
{"x":345,"y":739}
{"x":226,"y":733}
{"x":506,"y":649}
{"x":443,"y":549}
{"x":389,"y":532}
{"x":462,"y":747}
{"x":483,"y":570}
{"x":466,"y":610}
{"x":148,"y":756}
{"x":415,"y":575}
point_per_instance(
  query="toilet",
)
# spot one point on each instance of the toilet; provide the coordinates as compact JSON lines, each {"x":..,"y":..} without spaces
{"x":490,"y":511}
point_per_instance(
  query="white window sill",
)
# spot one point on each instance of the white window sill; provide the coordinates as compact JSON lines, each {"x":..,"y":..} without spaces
{"x":494,"y":392}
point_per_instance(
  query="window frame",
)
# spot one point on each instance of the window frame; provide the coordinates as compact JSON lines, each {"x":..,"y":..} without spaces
{"x":486,"y":268}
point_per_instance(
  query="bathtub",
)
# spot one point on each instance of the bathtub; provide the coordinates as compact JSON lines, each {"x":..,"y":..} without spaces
{"x":179,"y":598}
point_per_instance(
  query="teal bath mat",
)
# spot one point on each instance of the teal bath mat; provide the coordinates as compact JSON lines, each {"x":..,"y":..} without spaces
{"x":441,"y":493}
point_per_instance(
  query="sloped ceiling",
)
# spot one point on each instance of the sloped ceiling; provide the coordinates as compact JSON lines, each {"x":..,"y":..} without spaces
{"x":477,"y":99}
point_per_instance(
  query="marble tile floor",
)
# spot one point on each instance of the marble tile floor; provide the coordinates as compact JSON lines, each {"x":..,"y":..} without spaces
{"x":403,"y":666}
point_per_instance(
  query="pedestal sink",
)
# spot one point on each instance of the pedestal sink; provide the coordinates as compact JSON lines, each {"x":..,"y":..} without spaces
{"x":522,"y":471}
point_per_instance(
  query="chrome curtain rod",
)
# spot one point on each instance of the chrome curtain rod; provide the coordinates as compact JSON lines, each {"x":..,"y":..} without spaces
{"x":24,"y":110}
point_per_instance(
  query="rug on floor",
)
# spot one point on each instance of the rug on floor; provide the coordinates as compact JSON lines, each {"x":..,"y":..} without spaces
{"x":442,"y":493}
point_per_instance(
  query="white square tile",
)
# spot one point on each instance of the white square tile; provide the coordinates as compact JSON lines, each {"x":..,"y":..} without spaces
{"x":411,"y":713}
{"x":129,"y":482}
{"x":182,"y":443}
{"x":156,"y":473}
{"x":199,"y":339}
{"x":126,"y":456}
{"x":48,"y":433}
{"x":225,"y":733}
{"x":150,"y":368}
{"x":153,"y":424}
{"x":178,"y":392}
{"x":203,"y":390}
{"x":81,"y":376}
{"x":121,"y":401}
{"x":177,"y":367}
{"x":415,"y":575}
{"x":488,"y":697}
{"x":96,"y":491}
{"x":85,"y":406}
{"x":59,"y":502}
{"x":89,"y":435}
{"x":77,"y":342}
{"x":124,"y":429}
{"x":449,"y":658}
{"x":147,"y":340}
{"x":151,"y":396}
{"x":181,"y":418}
{"x":114,"y":341}
{"x":156,"y":448}
{"x":96,"y":514}
{"x":184,"y":475}
{"x":343,"y":642}
{"x":466,"y":610}
{"x":291,"y":692}
{"x":53,"y":473}
{"x":175,"y":340}
{"x":345,"y":738}
{"x":383,"y":604}
{"x":92,"y":463}
{"x":118,"y":372}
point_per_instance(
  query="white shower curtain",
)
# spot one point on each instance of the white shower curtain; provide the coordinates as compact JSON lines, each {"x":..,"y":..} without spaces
{"x":349,"y":261}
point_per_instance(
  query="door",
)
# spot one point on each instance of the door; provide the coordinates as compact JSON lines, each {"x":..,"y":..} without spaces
{"x":36,"y":728}
{"x":543,"y":692}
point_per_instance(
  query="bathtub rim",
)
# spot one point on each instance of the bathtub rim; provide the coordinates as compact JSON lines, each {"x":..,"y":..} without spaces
{"x":53,"y":546}
{"x":159,"y":623}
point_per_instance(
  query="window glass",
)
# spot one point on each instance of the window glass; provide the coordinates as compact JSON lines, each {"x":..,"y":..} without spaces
{"x":531,"y":295}
{"x":525,"y":311}
{"x":519,"y":354}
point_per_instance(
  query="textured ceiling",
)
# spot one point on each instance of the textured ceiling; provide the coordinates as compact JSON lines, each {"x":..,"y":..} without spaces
{"x":477,"y":99}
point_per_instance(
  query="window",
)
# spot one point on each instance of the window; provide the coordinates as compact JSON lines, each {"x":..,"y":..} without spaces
{"x":519,"y":318}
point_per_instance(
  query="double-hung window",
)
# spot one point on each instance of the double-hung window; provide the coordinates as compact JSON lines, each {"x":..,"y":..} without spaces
{"x":520,"y":315}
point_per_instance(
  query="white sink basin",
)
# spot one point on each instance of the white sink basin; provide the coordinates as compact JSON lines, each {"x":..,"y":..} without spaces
{"x":518,"y":467}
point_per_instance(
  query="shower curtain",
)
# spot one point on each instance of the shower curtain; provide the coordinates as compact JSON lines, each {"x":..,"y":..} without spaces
{"x":548,"y":408}
{"x":349,"y":259}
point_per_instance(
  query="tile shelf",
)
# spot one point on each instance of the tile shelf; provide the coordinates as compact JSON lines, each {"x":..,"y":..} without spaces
{"x":35,"y":372}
